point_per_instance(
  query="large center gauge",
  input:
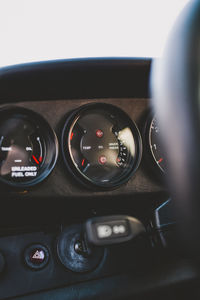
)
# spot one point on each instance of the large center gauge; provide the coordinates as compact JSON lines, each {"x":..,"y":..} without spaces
{"x":28,"y":147}
{"x":101,"y":145}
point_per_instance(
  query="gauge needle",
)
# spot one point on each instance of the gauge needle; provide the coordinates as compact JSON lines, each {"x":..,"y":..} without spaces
{"x":160,"y":160}
{"x":35,"y":159}
{"x":71,"y":136}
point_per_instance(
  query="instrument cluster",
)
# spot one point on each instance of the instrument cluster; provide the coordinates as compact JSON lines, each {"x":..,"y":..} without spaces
{"x":101,"y":146}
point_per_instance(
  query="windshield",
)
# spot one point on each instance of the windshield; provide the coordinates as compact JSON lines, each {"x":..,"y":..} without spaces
{"x":44,"y":29}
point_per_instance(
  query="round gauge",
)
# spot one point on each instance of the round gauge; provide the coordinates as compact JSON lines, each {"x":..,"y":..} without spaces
{"x":101,"y":146}
{"x":28,"y":147}
{"x":155,"y":146}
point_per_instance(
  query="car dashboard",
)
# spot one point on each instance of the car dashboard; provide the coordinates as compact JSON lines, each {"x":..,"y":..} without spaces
{"x":77,"y":140}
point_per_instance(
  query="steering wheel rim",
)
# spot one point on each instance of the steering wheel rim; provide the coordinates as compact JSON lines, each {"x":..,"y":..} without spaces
{"x":176,"y":102}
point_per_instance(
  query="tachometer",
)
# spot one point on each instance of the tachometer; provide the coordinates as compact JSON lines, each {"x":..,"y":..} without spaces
{"x":28,"y":147}
{"x":101,"y":145}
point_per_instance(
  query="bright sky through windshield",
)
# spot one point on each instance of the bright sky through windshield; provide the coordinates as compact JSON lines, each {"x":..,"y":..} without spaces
{"x":34,"y":30}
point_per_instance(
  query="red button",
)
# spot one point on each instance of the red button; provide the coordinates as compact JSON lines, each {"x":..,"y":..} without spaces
{"x":99,"y":133}
{"x":102,"y":159}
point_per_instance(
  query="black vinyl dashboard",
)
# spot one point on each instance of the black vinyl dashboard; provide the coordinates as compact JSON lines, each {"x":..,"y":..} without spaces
{"x":64,"y":126}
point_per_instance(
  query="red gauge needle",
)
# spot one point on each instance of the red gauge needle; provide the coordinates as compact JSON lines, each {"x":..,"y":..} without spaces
{"x":35,"y":159}
{"x":71,"y":136}
{"x":160,"y":160}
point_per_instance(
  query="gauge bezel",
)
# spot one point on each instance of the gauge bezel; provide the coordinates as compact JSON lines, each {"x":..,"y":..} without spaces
{"x":50,"y":138}
{"x":73,"y":170}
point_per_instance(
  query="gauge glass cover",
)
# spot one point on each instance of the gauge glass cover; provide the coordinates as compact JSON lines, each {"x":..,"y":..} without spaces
{"x":101,"y":145}
{"x":28,"y":147}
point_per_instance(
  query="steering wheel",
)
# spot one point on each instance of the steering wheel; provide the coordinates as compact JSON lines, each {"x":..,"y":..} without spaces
{"x":176,"y":101}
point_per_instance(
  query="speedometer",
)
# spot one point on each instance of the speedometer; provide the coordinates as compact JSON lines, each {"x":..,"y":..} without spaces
{"x":101,"y":145}
{"x":28,"y":147}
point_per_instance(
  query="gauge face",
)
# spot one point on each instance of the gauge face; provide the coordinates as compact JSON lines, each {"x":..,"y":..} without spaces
{"x":155,"y":146}
{"x":28,"y":147}
{"x":101,"y":145}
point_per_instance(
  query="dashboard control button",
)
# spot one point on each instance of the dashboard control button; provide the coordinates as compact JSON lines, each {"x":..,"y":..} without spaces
{"x":36,"y":256}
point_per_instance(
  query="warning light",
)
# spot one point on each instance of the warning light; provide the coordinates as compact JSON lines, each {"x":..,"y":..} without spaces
{"x":102,"y":159}
{"x":99,"y":133}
